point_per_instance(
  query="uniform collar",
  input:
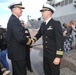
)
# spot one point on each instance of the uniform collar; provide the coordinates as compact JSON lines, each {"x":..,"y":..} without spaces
{"x":48,"y":20}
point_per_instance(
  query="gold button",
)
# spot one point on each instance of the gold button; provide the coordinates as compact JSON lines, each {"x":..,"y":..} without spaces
{"x":45,"y":41}
{"x":60,"y":49}
{"x":46,"y":36}
{"x":46,"y":46}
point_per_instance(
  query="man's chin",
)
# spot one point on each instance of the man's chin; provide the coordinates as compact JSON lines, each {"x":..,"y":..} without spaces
{"x":20,"y":15}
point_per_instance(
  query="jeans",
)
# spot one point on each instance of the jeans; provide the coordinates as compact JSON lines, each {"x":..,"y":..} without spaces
{"x":3,"y":59}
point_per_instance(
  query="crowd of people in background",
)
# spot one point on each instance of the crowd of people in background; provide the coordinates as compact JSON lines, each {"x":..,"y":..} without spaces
{"x":3,"y":52}
{"x":69,"y":33}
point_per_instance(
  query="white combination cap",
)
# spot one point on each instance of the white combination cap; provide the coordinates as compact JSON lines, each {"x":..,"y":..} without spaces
{"x":16,"y":4}
{"x":48,"y":7}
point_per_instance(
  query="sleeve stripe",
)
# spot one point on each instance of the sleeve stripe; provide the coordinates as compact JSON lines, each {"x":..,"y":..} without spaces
{"x":35,"y":38}
{"x":29,"y":41}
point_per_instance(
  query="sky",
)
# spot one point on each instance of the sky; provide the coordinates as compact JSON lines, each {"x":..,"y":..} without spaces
{"x":32,"y":8}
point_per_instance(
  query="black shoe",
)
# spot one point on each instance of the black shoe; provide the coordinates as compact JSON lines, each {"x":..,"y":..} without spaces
{"x":30,"y":70}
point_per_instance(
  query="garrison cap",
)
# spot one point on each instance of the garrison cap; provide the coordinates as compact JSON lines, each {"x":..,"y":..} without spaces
{"x":16,"y":4}
{"x":48,"y":7}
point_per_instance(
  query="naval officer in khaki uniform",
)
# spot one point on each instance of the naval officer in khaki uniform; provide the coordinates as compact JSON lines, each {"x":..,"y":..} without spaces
{"x":16,"y":40}
{"x":51,"y":32}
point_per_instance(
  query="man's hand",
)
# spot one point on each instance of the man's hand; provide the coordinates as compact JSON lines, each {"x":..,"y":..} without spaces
{"x":32,"y":41}
{"x":56,"y":61}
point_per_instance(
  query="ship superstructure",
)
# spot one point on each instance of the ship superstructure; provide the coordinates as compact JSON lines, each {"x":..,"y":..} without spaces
{"x":65,"y":10}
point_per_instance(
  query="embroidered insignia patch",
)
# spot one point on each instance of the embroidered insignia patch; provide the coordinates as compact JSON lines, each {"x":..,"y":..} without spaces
{"x":26,"y":31}
{"x":49,"y":28}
